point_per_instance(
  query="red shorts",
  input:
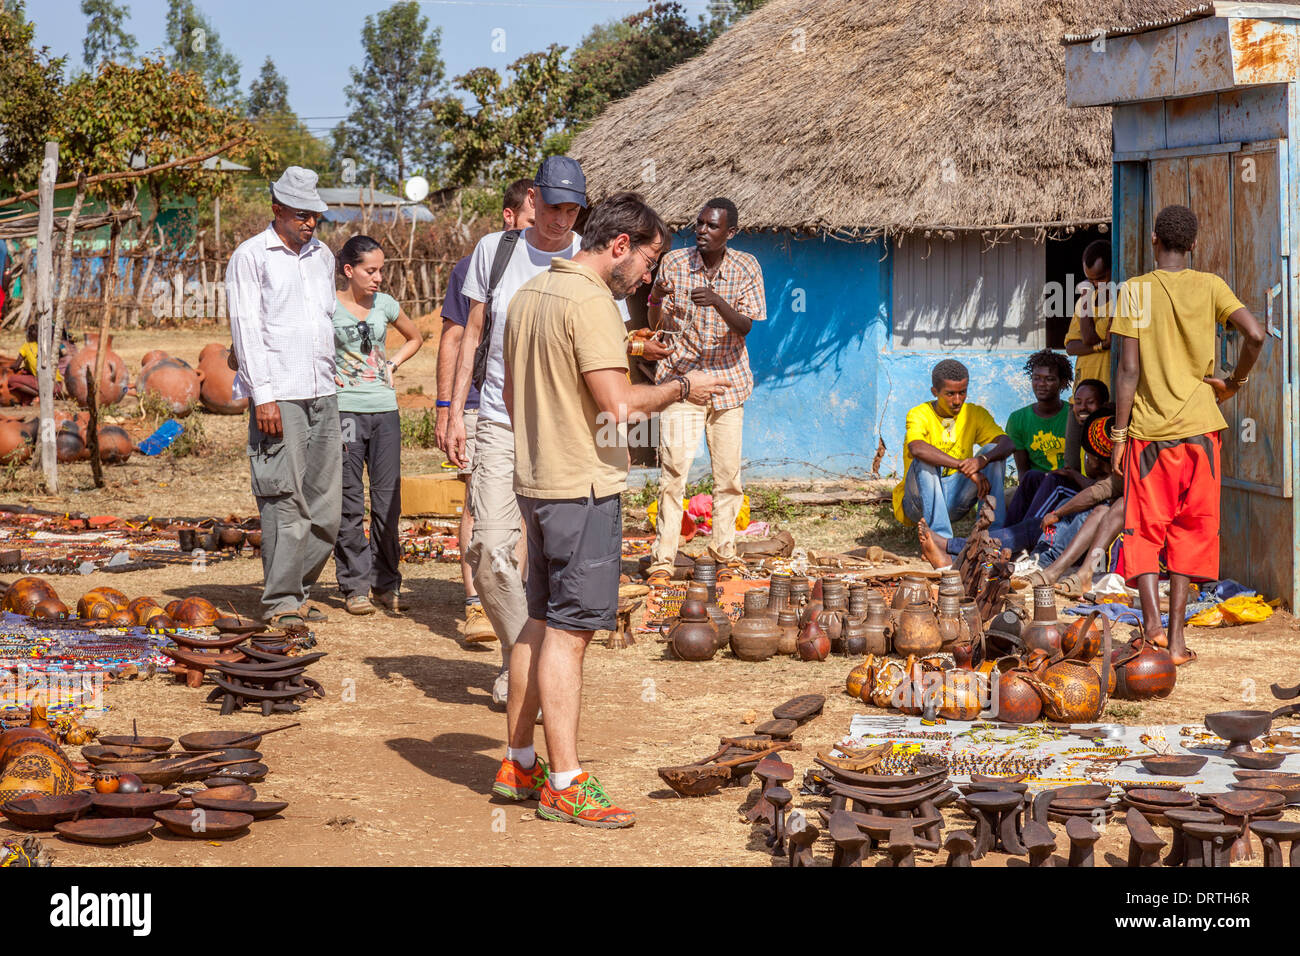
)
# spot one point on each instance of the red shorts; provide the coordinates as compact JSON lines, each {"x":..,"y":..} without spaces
{"x":1171,"y":504}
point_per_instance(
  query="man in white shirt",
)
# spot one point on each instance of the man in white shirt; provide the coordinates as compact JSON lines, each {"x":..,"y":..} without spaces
{"x":559,"y":191}
{"x":280,"y":293}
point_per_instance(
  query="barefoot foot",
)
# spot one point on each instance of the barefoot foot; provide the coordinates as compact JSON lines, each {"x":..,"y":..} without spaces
{"x":934,"y":547}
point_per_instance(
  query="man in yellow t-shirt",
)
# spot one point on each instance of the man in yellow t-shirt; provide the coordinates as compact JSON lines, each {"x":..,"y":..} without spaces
{"x":942,"y":473}
{"x":1088,"y":338}
{"x":1165,"y":393}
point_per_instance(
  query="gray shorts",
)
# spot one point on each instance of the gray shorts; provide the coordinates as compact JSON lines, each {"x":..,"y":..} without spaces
{"x":575,"y":549}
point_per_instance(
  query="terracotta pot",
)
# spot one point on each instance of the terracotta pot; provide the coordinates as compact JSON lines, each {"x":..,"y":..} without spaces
{"x":788,"y":622}
{"x":1045,"y":631}
{"x":835,"y":608}
{"x":1018,"y":701}
{"x":115,"y":445}
{"x":813,"y":644}
{"x":856,"y":637}
{"x":917,"y":631}
{"x":69,"y":443}
{"x":952,"y":625}
{"x":693,"y":638}
{"x":778,"y":594}
{"x":24,"y":594}
{"x":1143,"y":671}
{"x":755,"y":636}
{"x":216,"y":391}
{"x":14,"y":448}
{"x":173,"y":381}
{"x":152,"y":356}
{"x":254,"y":540}
{"x":114,"y":381}
{"x":696,"y":591}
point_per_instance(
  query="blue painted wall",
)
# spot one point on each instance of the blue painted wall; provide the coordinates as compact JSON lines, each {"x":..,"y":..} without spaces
{"x":827,"y":384}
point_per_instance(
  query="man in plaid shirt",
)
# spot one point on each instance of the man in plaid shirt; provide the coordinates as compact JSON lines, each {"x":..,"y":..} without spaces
{"x":705,"y":301}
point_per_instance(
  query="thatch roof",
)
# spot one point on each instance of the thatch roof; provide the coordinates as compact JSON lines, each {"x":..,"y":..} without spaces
{"x":899,"y":115}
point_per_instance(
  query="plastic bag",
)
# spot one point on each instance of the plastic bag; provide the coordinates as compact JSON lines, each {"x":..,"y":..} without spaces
{"x":1242,"y":609}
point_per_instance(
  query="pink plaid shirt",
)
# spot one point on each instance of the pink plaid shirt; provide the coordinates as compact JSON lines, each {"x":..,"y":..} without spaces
{"x":706,"y":342}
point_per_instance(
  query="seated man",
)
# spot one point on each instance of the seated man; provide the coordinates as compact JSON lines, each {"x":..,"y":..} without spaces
{"x":1090,"y":394}
{"x":1051,"y":535}
{"x":943,"y":474}
{"x":1038,"y":430}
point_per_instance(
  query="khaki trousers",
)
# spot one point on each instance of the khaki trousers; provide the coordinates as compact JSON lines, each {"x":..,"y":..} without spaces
{"x":680,"y":425}
{"x":491,"y":553}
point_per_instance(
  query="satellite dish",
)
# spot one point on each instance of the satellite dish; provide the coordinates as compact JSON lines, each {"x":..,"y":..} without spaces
{"x":417,"y":187}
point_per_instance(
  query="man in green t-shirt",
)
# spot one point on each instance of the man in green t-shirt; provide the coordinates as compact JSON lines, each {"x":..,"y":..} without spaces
{"x":1038,"y":430}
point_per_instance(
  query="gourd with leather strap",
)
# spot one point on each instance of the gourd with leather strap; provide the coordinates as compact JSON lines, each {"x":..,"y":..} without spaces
{"x":1072,"y":691}
{"x":1143,"y":671}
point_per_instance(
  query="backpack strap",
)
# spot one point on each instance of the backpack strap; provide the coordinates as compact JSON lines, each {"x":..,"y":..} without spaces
{"x":505,"y":250}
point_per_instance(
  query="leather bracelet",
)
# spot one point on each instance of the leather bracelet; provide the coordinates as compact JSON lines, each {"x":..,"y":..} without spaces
{"x":686,"y":388}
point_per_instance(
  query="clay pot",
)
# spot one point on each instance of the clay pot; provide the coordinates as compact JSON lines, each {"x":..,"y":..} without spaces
{"x":24,"y":594}
{"x":1045,"y":631}
{"x":917,"y":631}
{"x":152,"y":356}
{"x":115,"y":445}
{"x":855,"y":637}
{"x":173,"y":381}
{"x":913,"y":589}
{"x":1018,"y":702}
{"x":254,"y":540}
{"x":863,"y":675}
{"x":50,"y":609}
{"x":755,"y":636}
{"x":693,"y":638}
{"x":14,"y":448}
{"x":696,"y":591}
{"x":199,"y":612}
{"x":231,"y":536}
{"x":217,"y":387}
{"x":112,"y":384}
{"x":69,"y":443}
{"x":813,"y":644}
{"x":1143,"y":671}
{"x":952,"y":625}
{"x":800,"y":592}
{"x":788,"y":622}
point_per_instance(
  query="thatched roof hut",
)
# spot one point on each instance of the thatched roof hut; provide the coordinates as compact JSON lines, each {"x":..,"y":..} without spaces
{"x":864,"y":118}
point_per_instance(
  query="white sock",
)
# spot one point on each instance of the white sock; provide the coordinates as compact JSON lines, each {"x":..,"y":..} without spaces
{"x":562,"y":781}
{"x":524,"y":756}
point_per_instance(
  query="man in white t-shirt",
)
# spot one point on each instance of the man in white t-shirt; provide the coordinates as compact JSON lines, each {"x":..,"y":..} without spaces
{"x":559,"y":191}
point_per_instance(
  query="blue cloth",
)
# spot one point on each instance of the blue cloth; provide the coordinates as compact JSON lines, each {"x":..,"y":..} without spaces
{"x":1218,"y":591}
{"x":455,"y":308}
{"x":929,"y":494}
{"x":1121,"y":613}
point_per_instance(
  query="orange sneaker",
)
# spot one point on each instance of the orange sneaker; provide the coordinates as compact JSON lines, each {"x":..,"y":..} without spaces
{"x":584,"y":802}
{"x":520,"y":783}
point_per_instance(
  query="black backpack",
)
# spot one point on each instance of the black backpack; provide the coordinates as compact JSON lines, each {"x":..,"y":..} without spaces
{"x":505,"y":249}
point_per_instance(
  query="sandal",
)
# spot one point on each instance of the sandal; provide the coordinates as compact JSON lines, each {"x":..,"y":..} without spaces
{"x":1036,"y":579}
{"x":287,"y":619}
{"x":659,"y":579}
{"x":312,"y":614}
{"x":358,"y":604}
{"x":1069,"y":587}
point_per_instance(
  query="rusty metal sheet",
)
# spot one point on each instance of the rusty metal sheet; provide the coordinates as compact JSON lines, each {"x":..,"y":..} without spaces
{"x":1121,"y":69}
{"x":1251,"y":114}
{"x":1138,"y":126}
{"x":1204,"y":58}
{"x":1263,"y":51}
{"x":1258,"y":268}
{"x":1192,"y":121}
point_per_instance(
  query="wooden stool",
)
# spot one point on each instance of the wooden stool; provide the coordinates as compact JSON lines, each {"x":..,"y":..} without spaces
{"x":1143,"y":845}
{"x":773,"y":772}
{"x":902,"y":846}
{"x":1082,"y":836}
{"x":997,"y":821}
{"x":960,"y":844}
{"x":799,"y":845}
{"x":780,"y":798}
{"x":1040,"y":841}
{"x":851,"y":845}
{"x":1272,"y":833}
{"x":1178,"y":849}
{"x":1041,"y":804}
{"x":1210,"y":844}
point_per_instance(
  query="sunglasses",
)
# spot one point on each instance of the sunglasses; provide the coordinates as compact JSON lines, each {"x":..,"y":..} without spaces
{"x":303,"y":215}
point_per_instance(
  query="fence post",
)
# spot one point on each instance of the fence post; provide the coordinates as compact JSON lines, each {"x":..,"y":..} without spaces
{"x":47,"y":349}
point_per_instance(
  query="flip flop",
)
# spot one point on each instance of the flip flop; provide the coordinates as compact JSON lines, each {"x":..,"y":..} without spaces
{"x":312,"y":614}
{"x":1190,"y":660}
{"x":659,"y":579}
{"x":286,"y":619}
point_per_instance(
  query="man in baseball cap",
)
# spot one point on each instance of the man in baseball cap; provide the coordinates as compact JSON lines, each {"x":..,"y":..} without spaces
{"x":560,"y":181}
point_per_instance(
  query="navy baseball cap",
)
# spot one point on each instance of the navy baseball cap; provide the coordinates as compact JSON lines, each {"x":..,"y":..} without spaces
{"x":560,"y":180}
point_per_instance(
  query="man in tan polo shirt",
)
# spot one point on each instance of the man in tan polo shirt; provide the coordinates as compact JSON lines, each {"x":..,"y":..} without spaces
{"x":567,"y":390}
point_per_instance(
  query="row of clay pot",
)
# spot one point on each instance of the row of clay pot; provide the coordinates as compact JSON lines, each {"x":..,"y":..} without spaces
{"x":18,"y":438}
{"x":168,"y":378}
{"x":35,"y":597}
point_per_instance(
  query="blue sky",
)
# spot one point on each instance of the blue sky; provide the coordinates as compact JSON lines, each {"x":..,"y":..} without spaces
{"x":313,"y":43}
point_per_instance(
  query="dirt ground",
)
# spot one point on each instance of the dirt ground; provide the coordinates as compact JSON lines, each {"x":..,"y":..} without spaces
{"x":396,"y":765}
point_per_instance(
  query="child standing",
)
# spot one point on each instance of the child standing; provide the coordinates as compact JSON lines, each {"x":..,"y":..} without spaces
{"x":371,"y":428}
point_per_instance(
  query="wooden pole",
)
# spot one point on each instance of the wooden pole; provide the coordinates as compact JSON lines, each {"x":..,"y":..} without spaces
{"x":110,"y":288}
{"x":216,"y":216}
{"x":92,"y":428}
{"x":65,"y":266}
{"x":47,"y":349}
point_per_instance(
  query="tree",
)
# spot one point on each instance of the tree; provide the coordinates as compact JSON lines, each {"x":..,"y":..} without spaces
{"x":105,"y":38}
{"x":505,"y":136}
{"x":387,"y":131}
{"x":197,"y":48}
{"x":269,"y":93}
{"x":30,"y":104}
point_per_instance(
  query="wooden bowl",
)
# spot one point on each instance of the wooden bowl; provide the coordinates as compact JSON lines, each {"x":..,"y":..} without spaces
{"x":257,"y":809}
{"x":143,"y":743}
{"x":42,"y":813}
{"x":1174,"y":765}
{"x":105,"y":831}
{"x":239,"y":773}
{"x":99,"y":756}
{"x":133,"y":804}
{"x":234,"y":791}
{"x":1255,"y":760}
{"x":215,"y":823}
{"x":206,"y":740}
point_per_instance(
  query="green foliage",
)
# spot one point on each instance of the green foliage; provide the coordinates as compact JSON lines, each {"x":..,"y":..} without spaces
{"x":770,"y":503}
{"x":269,"y":93}
{"x":702,"y":487}
{"x":193,"y":439}
{"x":419,"y":430}
{"x":641,"y":497}
{"x":387,"y":132}
{"x":503,"y":136}
{"x":1123,"y":713}
{"x":29,"y":105}
{"x":196,"y":47}
{"x":105,"y":38}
